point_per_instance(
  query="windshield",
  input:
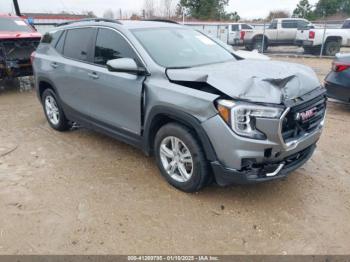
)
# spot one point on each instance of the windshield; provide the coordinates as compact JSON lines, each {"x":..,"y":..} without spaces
{"x":14,"y":25}
{"x":181,"y":47}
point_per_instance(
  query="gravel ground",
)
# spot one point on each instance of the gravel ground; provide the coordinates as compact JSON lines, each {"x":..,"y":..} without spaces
{"x":83,"y":193}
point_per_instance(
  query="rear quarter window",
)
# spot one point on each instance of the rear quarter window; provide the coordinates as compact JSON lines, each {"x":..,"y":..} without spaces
{"x":51,"y":38}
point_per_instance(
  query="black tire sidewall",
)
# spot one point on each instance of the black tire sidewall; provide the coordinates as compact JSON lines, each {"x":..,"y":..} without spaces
{"x":200,"y":166}
{"x":63,"y":124}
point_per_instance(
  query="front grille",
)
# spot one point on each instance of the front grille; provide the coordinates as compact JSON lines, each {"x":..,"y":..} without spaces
{"x":295,"y":127}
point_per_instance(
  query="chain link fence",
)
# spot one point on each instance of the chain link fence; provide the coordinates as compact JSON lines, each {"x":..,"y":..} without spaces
{"x":286,"y":36}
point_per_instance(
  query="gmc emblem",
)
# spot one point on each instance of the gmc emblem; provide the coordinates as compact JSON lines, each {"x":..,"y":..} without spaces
{"x":304,"y":116}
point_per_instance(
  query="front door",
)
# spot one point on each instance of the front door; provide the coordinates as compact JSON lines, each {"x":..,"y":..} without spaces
{"x":115,"y":98}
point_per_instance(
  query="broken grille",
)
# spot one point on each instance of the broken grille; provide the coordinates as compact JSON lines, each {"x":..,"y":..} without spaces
{"x":303,"y":119}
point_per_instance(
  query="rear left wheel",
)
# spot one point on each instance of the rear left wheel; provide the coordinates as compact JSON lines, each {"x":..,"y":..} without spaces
{"x":331,"y":48}
{"x":53,"y":111}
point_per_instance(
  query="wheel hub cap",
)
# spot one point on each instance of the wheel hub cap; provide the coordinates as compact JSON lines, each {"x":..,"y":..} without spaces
{"x":52,"y":111}
{"x":176,"y":159}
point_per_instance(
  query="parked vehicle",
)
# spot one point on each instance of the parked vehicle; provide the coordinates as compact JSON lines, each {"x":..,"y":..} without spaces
{"x":202,"y":113}
{"x":338,"y":80}
{"x":241,"y":54}
{"x":312,"y":39}
{"x":231,"y":34}
{"x":281,"y":31}
{"x":17,"y":41}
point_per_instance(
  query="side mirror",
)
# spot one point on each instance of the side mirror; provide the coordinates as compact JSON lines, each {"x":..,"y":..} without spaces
{"x":125,"y":65}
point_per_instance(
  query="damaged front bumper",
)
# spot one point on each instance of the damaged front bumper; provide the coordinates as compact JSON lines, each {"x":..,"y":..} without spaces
{"x":288,"y":145}
{"x":262,"y":172}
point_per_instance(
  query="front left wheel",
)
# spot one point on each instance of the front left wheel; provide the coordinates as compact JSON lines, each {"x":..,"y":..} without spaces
{"x":181,"y":159}
{"x":53,"y":111}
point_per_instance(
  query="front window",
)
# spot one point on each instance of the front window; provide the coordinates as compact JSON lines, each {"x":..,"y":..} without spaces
{"x":14,"y":25}
{"x":181,"y":47}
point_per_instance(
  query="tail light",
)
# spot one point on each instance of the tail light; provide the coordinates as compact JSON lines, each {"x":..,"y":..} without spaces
{"x":340,"y":67}
{"x":242,"y":35}
{"x":312,"y":35}
{"x":32,"y":56}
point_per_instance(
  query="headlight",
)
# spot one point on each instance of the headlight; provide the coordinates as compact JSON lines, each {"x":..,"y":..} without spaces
{"x":241,"y":117}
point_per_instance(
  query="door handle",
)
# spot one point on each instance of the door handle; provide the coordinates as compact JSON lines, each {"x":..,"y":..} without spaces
{"x":54,"y":65}
{"x":93,"y":75}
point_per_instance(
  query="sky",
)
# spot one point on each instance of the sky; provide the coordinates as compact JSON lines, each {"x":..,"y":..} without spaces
{"x":248,"y":9}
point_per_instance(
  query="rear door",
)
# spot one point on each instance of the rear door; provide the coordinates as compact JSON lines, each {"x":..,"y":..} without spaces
{"x":114,"y":98}
{"x":71,"y":69}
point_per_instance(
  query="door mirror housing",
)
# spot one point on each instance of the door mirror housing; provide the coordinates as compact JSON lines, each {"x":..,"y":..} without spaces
{"x":125,"y":65}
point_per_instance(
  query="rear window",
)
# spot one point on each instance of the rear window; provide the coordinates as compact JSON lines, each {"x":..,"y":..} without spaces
{"x":14,"y":25}
{"x":290,"y":24}
{"x":246,"y":27}
{"x":235,"y":27}
{"x":346,"y":24}
{"x":78,"y":43}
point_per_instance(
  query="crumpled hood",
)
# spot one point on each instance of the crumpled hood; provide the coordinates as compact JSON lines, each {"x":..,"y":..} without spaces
{"x":257,"y":81}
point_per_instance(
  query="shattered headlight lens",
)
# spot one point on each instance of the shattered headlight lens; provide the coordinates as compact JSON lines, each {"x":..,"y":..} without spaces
{"x":241,"y":117}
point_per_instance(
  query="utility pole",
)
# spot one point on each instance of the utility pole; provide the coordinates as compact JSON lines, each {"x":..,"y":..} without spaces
{"x":18,"y":11}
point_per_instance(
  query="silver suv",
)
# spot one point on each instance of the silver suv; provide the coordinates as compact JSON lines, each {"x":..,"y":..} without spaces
{"x":204,"y":113}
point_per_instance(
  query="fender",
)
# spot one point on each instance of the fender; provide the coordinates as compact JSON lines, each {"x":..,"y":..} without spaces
{"x":47,"y":80}
{"x":158,"y":112}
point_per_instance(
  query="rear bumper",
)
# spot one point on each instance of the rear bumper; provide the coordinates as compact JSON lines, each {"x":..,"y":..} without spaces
{"x":306,"y":43}
{"x":262,"y":172}
{"x":338,"y":92}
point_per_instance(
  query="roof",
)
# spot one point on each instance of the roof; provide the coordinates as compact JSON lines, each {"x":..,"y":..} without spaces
{"x":127,"y":24}
{"x":55,"y":16}
{"x":134,"y":24}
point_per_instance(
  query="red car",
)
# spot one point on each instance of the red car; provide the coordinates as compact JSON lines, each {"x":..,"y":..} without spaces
{"x":17,"y":42}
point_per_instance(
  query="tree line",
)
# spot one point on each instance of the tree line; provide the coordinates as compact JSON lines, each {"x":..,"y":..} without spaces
{"x":215,"y":10}
{"x":323,"y":8}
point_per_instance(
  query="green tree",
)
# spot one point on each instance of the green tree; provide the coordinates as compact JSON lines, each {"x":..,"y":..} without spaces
{"x":206,"y":9}
{"x":331,"y":7}
{"x":303,"y":10}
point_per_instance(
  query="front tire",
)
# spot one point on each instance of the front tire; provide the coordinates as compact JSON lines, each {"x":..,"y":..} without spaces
{"x":53,"y":111}
{"x":181,"y":159}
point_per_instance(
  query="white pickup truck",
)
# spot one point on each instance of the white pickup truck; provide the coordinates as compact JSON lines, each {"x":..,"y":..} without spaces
{"x":311,"y":39}
{"x":281,"y":31}
{"x":230,"y":33}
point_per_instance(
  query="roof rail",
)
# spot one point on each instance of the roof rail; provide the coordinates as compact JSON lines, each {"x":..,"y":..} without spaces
{"x":161,"y":20}
{"x":90,"y":20}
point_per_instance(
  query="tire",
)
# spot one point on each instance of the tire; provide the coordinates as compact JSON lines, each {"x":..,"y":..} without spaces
{"x":257,"y":45}
{"x":331,"y":48}
{"x":249,"y":47}
{"x":53,"y":111}
{"x":195,"y":164}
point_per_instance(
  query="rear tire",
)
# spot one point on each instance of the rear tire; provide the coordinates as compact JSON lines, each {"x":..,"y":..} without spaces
{"x":258,"y":45}
{"x":331,"y":48}
{"x":53,"y":111}
{"x":181,"y":159}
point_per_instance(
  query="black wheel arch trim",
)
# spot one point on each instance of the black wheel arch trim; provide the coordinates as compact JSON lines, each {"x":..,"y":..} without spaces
{"x":48,"y":81}
{"x":180,"y":117}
